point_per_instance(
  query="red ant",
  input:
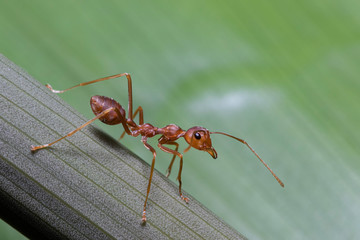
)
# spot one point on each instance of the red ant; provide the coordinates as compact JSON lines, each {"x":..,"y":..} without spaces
{"x":111,"y":112}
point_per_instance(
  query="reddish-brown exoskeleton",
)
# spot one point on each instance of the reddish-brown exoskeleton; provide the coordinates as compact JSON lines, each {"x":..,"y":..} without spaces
{"x":111,"y":112}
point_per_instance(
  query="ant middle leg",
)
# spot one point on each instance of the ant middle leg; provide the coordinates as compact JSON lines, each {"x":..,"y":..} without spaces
{"x":180,"y":182}
{"x":150,"y":148}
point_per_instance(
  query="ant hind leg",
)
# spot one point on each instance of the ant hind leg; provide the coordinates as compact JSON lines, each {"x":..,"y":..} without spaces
{"x":34,"y":148}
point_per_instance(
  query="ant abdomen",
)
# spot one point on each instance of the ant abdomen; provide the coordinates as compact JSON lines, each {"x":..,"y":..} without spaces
{"x":101,"y":103}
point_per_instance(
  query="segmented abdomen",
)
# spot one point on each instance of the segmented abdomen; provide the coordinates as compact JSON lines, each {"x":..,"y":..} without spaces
{"x":101,"y":103}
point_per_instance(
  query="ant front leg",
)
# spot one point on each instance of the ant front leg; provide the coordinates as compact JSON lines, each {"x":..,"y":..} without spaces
{"x":175,"y":153}
{"x":168,"y":171}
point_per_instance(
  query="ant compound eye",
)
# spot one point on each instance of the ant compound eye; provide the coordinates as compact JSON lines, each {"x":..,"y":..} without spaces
{"x":197,"y":135}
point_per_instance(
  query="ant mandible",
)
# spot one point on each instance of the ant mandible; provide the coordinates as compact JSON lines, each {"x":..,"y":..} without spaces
{"x":111,"y":112}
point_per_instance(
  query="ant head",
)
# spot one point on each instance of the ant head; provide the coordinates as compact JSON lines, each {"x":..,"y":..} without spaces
{"x":199,"y":138}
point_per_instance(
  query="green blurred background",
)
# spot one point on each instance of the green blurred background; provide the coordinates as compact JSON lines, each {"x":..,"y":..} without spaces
{"x":283,"y":75}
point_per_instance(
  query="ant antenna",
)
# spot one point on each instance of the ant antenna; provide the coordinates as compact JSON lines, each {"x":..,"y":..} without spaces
{"x":244,"y":142}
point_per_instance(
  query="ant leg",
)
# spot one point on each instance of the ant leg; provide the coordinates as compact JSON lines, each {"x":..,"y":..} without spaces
{"x":123,"y":122}
{"x":34,"y":148}
{"x":130,"y":107}
{"x":87,"y":83}
{"x":175,"y":153}
{"x":141,"y":115}
{"x":141,"y":119}
{"x":168,"y":171}
{"x":179,"y":179}
{"x":150,"y":148}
